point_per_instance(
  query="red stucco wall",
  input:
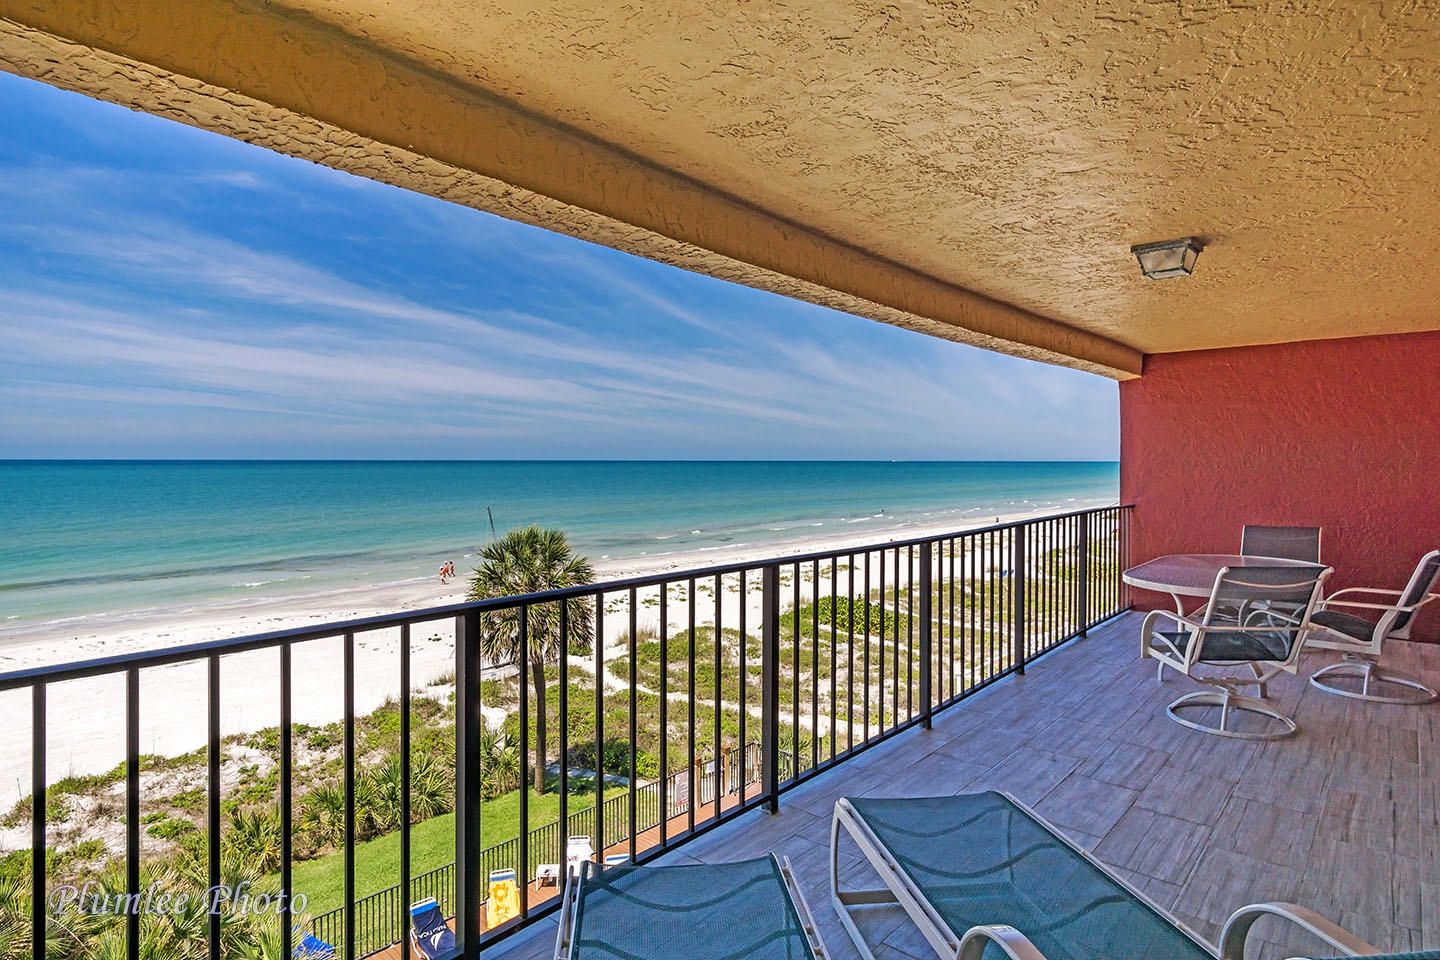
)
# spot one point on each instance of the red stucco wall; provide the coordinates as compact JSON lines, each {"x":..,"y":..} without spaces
{"x":1340,"y":433}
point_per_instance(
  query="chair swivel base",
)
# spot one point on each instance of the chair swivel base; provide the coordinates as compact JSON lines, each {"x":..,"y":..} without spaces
{"x":1230,"y":703}
{"x":1404,"y":689}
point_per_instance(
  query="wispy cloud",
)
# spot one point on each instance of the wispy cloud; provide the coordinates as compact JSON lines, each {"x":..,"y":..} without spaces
{"x":152,"y":285}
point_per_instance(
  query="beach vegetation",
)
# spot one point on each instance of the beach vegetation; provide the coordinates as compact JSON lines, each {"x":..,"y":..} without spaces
{"x":533,"y":560}
{"x":867,"y":615}
{"x":170,"y":828}
{"x":255,"y":835}
{"x":499,"y":764}
{"x":81,"y":931}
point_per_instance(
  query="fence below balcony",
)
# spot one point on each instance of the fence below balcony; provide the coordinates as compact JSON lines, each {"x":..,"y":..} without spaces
{"x":781,"y":669}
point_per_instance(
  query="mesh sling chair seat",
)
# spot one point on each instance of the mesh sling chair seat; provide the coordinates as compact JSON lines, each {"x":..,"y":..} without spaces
{"x":1256,"y":617}
{"x":747,"y":910}
{"x":1290,"y":543}
{"x":983,"y":876}
{"x":1359,"y":640}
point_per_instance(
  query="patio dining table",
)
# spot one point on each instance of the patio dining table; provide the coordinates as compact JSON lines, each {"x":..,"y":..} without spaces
{"x":1193,"y":574}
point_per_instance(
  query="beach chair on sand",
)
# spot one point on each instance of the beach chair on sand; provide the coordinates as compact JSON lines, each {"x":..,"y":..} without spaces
{"x":750,"y":910}
{"x":430,"y":936}
{"x":980,"y":874}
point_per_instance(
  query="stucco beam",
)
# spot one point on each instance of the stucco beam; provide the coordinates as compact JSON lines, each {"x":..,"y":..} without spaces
{"x":264,"y":74}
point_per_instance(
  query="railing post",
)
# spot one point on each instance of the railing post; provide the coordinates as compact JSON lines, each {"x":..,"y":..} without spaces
{"x":1017,"y":593}
{"x":348,"y":775}
{"x":132,"y":809}
{"x":1083,"y":564}
{"x":469,"y":722}
{"x":927,"y":637}
{"x":38,"y":917}
{"x":770,"y":686}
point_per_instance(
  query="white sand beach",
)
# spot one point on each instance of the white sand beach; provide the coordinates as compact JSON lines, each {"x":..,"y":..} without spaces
{"x":85,"y":719}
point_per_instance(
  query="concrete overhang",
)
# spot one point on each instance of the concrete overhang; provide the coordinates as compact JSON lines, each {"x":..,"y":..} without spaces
{"x":973,"y":171}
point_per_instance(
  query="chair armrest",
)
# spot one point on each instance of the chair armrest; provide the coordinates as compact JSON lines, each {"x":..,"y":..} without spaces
{"x":1178,"y":620}
{"x":1331,"y":602}
{"x":1378,"y":591}
{"x":1147,"y":631}
{"x":1012,"y":942}
{"x":1237,"y":929}
{"x":1357,"y":604}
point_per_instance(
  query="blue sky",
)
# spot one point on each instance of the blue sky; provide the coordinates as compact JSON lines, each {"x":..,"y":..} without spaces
{"x":165,"y":292}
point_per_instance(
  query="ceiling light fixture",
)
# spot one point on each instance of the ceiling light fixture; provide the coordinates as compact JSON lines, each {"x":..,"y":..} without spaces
{"x":1168,"y":258}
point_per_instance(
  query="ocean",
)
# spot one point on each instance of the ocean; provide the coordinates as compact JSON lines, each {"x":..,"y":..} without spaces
{"x":119,"y":537}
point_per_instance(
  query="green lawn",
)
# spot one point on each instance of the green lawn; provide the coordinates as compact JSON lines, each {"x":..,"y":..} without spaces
{"x":432,"y":844}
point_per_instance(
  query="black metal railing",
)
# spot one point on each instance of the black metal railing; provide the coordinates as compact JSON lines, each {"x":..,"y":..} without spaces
{"x":781,"y":669}
{"x":382,"y":917}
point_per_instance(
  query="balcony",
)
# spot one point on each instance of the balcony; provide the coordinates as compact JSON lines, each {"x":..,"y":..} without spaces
{"x":1340,"y":818}
{"x":1001,"y":658}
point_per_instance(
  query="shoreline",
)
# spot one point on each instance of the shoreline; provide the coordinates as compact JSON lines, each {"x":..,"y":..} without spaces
{"x":85,"y":723}
{"x":88,"y":637}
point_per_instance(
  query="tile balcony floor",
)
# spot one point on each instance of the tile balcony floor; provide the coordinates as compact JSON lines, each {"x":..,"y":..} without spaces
{"x":1341,"y":818}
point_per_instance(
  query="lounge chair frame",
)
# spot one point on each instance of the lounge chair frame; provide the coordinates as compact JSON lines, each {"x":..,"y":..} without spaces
{"x":899,"y":889}
{"x":570,"y":908}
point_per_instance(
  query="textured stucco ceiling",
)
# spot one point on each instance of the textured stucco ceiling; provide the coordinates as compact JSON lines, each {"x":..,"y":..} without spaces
{"x":1013,"y":150}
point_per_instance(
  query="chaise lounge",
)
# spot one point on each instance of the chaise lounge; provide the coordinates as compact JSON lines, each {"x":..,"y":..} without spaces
{"x":747,"y":910}
{"x":982,"y":875}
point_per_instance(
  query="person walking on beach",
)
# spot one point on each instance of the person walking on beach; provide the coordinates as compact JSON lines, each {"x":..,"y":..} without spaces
{"x":444,"y":569}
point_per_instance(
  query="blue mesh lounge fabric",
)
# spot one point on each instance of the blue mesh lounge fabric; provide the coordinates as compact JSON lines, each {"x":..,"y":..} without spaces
{"x":980,"y":859}
{"x":749,"y":910}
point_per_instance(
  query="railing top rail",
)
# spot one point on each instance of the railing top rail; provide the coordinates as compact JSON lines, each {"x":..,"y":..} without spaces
{"x":19,"y":679}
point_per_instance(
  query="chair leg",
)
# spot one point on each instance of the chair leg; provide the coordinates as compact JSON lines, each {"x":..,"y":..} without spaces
{"x":1262,"y":691}
{"x":1230,"y":703}
{"x":1373,"y":682}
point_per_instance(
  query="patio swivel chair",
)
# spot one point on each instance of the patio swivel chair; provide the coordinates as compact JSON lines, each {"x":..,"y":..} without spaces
{"x":1265,"y":639}
{"x":1286,"y":543}
{"x":430,"y":935}
{"x":1359,"y":640}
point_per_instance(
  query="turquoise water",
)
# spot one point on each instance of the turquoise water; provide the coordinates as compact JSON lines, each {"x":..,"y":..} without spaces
{"x":88,"y":537}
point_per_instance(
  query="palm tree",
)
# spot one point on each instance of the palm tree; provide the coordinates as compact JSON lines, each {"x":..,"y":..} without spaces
{"x":499,"y":764}
{"x":532,"y":560}
{"x":322,"y":815}
{"x":255,"y":835}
